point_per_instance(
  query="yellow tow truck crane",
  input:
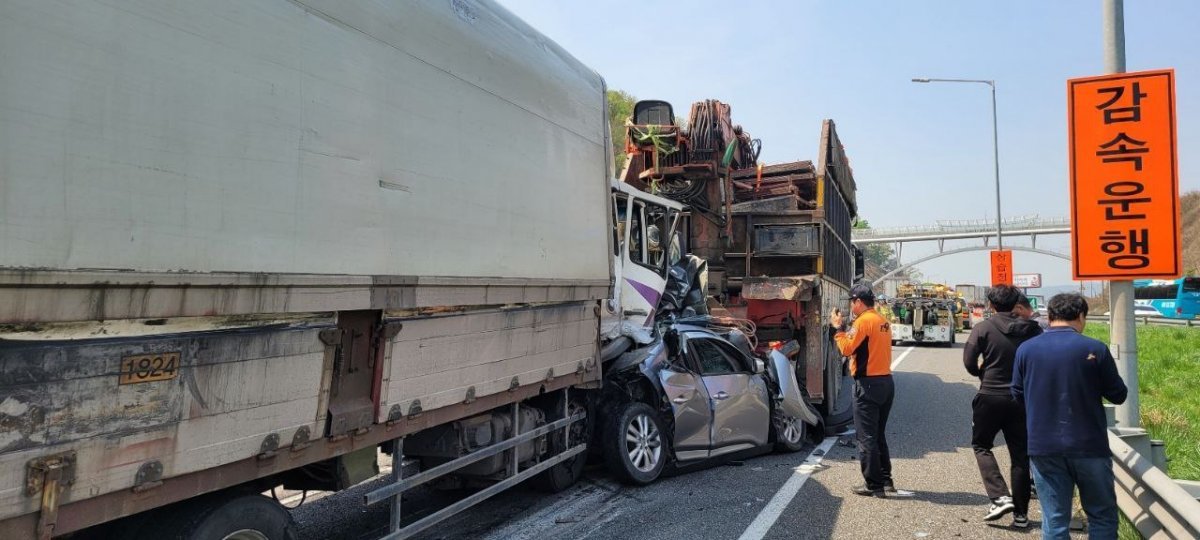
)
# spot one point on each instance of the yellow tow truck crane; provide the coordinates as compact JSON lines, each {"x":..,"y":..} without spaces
{"x":924,"y":313}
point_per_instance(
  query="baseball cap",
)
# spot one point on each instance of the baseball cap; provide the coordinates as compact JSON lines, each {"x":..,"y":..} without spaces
{"x":862,"y":292}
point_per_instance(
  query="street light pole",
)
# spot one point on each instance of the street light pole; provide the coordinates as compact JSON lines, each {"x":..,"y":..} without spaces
{"x":995,"y":146}
{"x":996,"y":162}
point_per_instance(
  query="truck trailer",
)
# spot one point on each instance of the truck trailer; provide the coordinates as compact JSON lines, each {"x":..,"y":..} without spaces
{"x":245,"y":245}
{"x":975,"y":298}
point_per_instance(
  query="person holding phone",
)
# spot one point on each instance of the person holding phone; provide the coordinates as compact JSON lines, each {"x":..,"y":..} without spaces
{"x":868,"y":345}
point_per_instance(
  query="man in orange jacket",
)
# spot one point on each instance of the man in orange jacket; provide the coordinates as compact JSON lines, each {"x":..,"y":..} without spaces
{"x":868,"y":345}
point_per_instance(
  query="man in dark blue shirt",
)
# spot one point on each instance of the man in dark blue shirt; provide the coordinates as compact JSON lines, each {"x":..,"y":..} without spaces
{"x":1061,"y":376}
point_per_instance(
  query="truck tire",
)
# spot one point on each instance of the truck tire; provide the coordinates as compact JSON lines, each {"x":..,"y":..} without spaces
{"x":635,"y":444}
{"x":245,"y":517}
{"x":565,"y":474}
{"x":837,"y":410}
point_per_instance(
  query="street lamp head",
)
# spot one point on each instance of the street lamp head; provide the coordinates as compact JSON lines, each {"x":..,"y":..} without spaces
{"x":920,"y":80}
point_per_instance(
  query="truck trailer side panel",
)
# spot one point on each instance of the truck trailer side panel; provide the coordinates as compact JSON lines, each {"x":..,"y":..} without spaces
{"x":299,"y":137}
{"x":230,"y":391}
{"x":440,"y":361}
{"x":235,"y":389}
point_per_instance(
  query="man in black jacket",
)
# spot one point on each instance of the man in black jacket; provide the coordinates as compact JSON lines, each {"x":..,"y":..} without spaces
{"x":993,"y":409}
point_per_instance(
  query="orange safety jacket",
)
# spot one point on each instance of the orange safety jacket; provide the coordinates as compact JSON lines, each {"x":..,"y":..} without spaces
{"x":868,"y":344}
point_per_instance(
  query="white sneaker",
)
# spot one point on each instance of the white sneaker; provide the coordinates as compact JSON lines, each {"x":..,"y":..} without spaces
{"x":1000,"y":506}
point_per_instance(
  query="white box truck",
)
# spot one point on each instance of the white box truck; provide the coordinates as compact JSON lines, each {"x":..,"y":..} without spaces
{"x":245,"y":244}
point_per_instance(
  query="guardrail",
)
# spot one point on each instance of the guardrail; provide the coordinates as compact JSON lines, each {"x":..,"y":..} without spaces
{"x":1153,"y":321}
{"x":1156,"y":504}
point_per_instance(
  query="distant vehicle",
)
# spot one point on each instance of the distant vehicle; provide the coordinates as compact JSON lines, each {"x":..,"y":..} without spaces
{"x":1142,"y":310}
{"x":1176,"y":299}
{"x":976,"y":310}
{"x":1146,"y":311}
{"x":924,"y":313}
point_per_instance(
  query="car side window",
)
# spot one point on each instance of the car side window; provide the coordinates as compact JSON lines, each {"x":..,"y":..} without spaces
{"x":740,"y":362}
{"x":711,"y":359}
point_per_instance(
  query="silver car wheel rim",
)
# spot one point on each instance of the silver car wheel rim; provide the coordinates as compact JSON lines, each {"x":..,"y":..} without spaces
{"x":792,"y":430}
{"x":643,"y":442}
{"x":246,"y":534}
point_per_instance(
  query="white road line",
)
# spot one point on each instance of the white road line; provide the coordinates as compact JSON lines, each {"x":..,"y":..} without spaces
{"x":775,"y":507}
{"x":903,"y":355}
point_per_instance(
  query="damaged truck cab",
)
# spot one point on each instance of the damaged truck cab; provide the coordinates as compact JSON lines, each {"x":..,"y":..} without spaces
{"x":644,"y":249}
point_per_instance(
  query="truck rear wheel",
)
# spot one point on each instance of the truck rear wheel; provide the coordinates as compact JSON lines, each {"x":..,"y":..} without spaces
{"x":565,"y":474}
{"x":837,"y":407}
{"x":222,"y":517}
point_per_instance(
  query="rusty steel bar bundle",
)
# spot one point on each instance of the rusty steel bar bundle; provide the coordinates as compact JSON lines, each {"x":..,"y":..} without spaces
{"x":711,"y":131}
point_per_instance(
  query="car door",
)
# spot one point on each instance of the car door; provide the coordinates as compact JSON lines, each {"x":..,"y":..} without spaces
{"x":690,"y":405}
{"x":737,"y":395}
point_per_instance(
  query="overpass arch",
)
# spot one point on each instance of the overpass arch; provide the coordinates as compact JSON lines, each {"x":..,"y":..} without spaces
{"x":966,"y":250}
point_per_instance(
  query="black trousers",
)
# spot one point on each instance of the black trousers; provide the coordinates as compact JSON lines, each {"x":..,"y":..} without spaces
{"x":872,"y":404}
{"x":991,"y":415}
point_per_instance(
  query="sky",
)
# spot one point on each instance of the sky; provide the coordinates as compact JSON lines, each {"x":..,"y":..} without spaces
{"x":920,"y":152}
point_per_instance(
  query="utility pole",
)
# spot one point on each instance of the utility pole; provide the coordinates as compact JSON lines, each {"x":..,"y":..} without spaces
{"x":1122,"y":326}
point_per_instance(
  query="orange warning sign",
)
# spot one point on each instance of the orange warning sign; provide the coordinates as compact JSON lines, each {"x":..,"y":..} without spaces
{"x":1124,"y":176}
{"x":1002,"y":270}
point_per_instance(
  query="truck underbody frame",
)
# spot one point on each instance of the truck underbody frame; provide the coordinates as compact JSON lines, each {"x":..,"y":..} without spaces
{"x":393,"y":492}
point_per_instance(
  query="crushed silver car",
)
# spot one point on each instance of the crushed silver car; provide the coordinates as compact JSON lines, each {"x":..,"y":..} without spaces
{"x":699,"y":393}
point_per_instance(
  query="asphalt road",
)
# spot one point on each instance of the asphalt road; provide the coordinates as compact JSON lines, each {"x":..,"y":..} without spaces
{"x":929,"y":435}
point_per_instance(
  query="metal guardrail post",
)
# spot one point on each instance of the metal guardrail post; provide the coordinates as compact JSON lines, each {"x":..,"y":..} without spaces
{"x":1158,"y":455}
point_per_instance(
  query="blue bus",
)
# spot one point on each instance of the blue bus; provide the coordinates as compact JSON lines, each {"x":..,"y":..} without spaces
{"x":1177,"y":299}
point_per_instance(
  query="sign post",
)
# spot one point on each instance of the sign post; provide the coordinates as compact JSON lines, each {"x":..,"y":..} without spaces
{"x":1125,"y":220}
{"x":1002,"y":273}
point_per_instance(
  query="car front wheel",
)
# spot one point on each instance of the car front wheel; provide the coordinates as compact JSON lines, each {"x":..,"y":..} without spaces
{"x":789,"y":432}
{"x":635,"y":444}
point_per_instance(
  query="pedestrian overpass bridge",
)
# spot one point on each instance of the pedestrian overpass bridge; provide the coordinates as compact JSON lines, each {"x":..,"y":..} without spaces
{"x":1026,"y":226}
